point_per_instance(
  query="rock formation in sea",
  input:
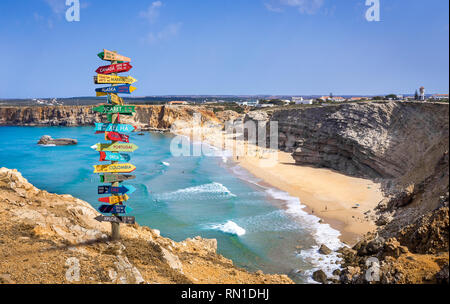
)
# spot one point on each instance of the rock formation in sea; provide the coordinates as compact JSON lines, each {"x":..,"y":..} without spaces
{"x":48,"y":140}
{"x":50,"y":238}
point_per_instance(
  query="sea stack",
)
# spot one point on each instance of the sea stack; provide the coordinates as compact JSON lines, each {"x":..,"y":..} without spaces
{"x":48,"y":140}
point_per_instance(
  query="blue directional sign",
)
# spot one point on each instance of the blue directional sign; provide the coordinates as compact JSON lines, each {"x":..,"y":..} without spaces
{"x":119,"y":209}
{"x":111,"y":156}
{"x":124,"y":89}
{"x":116,"y":190}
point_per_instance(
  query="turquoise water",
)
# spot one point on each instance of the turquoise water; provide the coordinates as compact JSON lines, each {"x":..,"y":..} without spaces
{"x":255,"y":226}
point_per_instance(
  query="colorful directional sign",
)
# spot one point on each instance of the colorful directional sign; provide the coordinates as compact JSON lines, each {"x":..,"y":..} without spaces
{"x":114,"y":168}
{"x":113,"y":98}
{"x":114,"y":199}
{"x":117,"y":137}
{"x":124,"y":89}
{"x":102,"y":127}
{"x":114,"y":209}
{"x":117,"y":147}
{"x":114,"y":68}
{"x":112,"y":56}
{"x":116,"y":190}
{"x":116,"y":219}
{"x":114,"y":178}
{"x":101,"y":79}
{"x":110,"y":156}
{"x":114,"y":109}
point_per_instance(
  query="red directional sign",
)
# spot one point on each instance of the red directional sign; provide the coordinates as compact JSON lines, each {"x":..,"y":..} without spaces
{"x":116,"y":137}
{"x":114,"y":68}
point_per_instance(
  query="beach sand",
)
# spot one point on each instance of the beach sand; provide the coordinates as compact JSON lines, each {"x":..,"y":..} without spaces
{"x":327,"y":194}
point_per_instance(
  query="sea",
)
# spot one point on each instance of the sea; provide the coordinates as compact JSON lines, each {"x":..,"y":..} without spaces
{"x":256,"y":226}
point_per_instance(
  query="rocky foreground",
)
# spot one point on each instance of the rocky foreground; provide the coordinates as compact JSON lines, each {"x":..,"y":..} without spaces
{"x":49,"y":238}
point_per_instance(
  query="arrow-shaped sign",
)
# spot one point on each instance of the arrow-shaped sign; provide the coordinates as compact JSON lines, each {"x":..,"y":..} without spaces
{"x":117,"y":137}
{"x":111,"y":56}
{"x":116,"y":219}
{"x":117,"y":147}
{"x":124,"y":89}
{"x":116,"y":190}
{"x":113,"y":98}
{"x":114,"y":199}
{"x":113,"y":178}
{"x":114,"y":209}
{"x":106,"y":127}
{"x":114,"y":68}
{"x":110,"y":156}
{"x":113,"y":109}
{"x":114,"y":168}
{"x":102,"y":79}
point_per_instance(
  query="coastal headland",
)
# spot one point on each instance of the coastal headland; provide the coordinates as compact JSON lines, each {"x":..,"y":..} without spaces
{"x":375,"y":171}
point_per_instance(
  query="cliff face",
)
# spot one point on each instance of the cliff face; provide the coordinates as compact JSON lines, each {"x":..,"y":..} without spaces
{"x":49,"y":238}
{"x":147,"y":116}
{"x":373,"y":140}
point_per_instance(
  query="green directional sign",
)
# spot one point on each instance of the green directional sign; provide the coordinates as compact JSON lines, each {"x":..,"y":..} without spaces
{"x":113,"y":109}
{"x":117,"y":147}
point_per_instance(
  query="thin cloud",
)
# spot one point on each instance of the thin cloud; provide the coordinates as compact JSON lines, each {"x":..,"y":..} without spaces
{"x":309,"y":7}
{"x":166,"y":33}
{"x":57,"y":6}
{"x":152,"y":12}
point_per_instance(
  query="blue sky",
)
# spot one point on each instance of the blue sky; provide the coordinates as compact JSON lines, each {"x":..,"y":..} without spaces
{"x":178,"y":47}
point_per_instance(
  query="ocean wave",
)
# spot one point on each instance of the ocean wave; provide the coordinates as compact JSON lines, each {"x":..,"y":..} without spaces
{"x":322,"y":234}
{"x":202,"y":192}
{"x":48,"y":145}
{"x":229,"y":227}
{"x":165,"y":164}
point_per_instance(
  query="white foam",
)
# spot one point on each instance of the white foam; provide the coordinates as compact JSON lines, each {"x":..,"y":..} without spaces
{"x":322,"y":234}
{"x":166,"y":164}
{"x":49,"y":145}
{"x":215,"y":189}
{"x":230,"y":227}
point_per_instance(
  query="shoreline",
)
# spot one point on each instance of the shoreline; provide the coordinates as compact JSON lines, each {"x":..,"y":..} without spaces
{"x":327,"y":194}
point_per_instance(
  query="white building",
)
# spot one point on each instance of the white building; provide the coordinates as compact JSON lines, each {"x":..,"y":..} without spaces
{"x":422,"y":94}
{"x":439,"y":96}
{"x":300,"y":100}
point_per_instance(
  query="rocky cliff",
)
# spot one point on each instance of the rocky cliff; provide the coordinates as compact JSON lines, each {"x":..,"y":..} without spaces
{"x":158,"y":117}
{"x":49,"y":238}
{"x":405,"y":147}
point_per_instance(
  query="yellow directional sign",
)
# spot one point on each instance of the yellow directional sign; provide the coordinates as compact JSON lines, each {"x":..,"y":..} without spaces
{"x":114,"y":168}
{"x":100,"y":78}
{"x":110,"y":56}
{"x":115,"y":99}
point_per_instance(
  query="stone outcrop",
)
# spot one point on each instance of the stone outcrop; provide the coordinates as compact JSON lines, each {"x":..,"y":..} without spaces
{"x":49,"y":238}
{"x":151,"y":117}
{"x":48,"y":140}
{"x":375,"y":140}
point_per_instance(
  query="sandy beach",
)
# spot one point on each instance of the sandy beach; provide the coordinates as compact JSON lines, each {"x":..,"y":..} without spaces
{"x":339,"y":200}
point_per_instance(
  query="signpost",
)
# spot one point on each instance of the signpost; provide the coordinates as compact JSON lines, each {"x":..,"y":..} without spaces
{"x":116,"y":219}
{"x":113,"y":107}
{"x":100,"y":78}
{"x":114,"y":68}
{"x":105,"y":156}
{"x":114,"y":209}
{"x":102,"y":127}
{"x":116,"y":190}
{"x":115,"y":178}
{"x":117,"y":147}
{"x":124,"y":89}
{"x":116,"y":199}
{"x":114,"y":168}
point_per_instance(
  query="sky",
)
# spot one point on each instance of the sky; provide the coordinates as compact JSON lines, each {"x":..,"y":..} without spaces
{"x":226,"y":47}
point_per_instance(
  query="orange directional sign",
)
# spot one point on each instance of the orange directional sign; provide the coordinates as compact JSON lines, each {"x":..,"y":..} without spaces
{"x":111,"y":56}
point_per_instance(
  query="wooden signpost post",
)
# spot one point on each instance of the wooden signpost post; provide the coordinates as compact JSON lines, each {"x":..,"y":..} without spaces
{"x":113,"y":108}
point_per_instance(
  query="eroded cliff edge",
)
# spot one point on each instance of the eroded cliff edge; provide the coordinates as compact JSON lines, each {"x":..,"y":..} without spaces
{"x":46,"y":237}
